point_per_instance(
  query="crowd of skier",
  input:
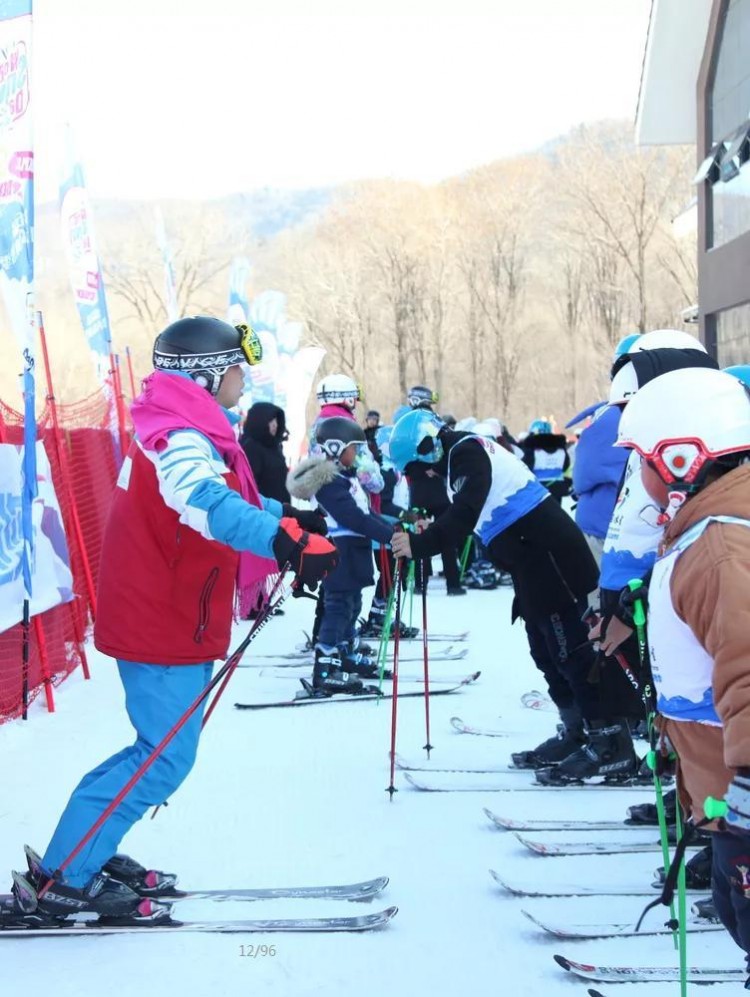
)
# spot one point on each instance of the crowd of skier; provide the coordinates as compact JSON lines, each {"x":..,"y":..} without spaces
{"x":645,"y":511}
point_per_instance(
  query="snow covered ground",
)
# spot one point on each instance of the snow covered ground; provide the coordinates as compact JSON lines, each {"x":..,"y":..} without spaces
{"x":289,"y":797}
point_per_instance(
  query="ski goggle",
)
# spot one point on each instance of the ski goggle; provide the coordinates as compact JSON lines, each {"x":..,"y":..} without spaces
{"x":250,"y":344}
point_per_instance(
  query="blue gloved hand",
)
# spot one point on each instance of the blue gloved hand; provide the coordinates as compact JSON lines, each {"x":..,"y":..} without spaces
{"x":737,"y":799}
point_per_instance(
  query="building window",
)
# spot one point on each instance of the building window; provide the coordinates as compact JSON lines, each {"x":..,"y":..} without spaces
{"x":731,"y":207}
{"x":733,"y":336}
{"x":730,"y":93}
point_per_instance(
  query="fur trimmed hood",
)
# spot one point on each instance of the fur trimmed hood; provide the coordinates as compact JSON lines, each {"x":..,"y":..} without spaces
{"x":309,"y":476}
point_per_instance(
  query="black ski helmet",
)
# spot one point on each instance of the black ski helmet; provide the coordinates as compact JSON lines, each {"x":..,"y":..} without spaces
{"x":421,"y":397}
{"x":204,"y":348}
{"x":335,"y":434}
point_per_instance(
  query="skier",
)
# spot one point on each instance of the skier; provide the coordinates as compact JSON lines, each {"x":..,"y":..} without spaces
{"x":372,"y":424}
{"x":428,"y":493}
{"x":691,"y":428}
{"x":331,"y":479}
{"x":186,"y":528}
{"x":496,"y":496}
{"x":635,"y":529}
{"x":262,"y":435}
{"x":338,"y":395}
{"x":546,"y":454}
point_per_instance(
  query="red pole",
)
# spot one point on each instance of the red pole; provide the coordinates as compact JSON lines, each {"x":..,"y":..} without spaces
{"x":130,"y":372}
{"x":65,"y":475}
{"x":426,"y":652}
{"x":394,"y":702}
{"x":41,"y":642}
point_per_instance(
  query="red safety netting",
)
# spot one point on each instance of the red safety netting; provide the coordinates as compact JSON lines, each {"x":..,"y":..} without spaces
{"x":84,"y":455}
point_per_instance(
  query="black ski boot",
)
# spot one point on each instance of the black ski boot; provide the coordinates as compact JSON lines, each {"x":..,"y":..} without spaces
{"x":115,"y":903}
{"x":329,"y":676}
{"x":706,"y":909}
{"x":570,"y":736}
{"x":608,"y":752}
{"x":374,"y":625}
{"x":145,"y":882}
{"x":697,"y":871}
{"x":647,"y":814}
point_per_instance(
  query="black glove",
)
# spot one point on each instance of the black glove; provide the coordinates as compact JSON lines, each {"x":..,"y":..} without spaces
{"x":309,"y":519}
{"x":309,"y":555}
{"x":627,"y":601}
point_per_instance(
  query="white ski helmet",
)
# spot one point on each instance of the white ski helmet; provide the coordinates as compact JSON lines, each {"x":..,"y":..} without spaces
{"x":666,"y":339}
{"x":338,"y":388}
{"x":488,"y":427}
{"x":686,"y":420}
{"x":624,"y":385}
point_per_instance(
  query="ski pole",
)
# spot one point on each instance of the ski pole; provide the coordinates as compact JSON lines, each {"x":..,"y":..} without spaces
{"x":465,"y":556}
{"x":226,"y":670}
{"x":394,"y":702}
{"x":426,"y":653}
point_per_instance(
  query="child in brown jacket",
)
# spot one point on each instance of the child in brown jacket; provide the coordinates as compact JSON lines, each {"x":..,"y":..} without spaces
{"x":692,"y":430}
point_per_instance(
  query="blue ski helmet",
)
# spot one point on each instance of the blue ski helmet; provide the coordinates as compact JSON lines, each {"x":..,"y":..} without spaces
{"x":625,"y":344}
{"x":540,"y":426}
{"x":415,"y":437}
{"x":383,"y":440}
{"x":741,"y":371}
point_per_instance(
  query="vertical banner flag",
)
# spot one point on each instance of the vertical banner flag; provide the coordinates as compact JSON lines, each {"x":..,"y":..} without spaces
{"x":173,"y":312}
{"x":267,"y":315}
{"x":300,"y":376}
{"x":17,"y":239}
{"x":239,"y":306}
{"x":85,"y":273}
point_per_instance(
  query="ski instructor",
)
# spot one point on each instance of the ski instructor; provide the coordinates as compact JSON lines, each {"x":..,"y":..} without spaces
{"x":187,"y":531}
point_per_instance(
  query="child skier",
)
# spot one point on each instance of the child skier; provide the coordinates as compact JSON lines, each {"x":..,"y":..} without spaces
{"x":546,"y":454}
{"x":496,"y":496}
{"x":332,"y":480}
{"x":186,"y":529}
{"x":691,"y":429}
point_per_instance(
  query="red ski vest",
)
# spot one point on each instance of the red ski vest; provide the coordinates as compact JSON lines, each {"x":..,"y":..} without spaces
{"x":166,"y":593}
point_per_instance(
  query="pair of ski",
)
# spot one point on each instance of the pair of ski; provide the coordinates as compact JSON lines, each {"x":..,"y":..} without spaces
{"x":501,"y":780}
{"x":601,"y":928}
{"x":576,"y":848}
{"x":364,"y":891}
{"x":308,"y":699}
{"x":305,"y":659}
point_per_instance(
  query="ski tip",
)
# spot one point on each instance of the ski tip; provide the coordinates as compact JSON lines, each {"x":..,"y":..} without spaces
{"x":562,"y":962}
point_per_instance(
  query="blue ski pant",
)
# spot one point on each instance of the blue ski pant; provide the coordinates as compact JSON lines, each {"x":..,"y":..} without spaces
{"x":340,"y":612}
{"x":156,"y":696}
{"x":730,"y":884}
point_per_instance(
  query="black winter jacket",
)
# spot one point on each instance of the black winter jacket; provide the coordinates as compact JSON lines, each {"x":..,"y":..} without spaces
{"x":544,"y":551}
{"x":264,"y":451}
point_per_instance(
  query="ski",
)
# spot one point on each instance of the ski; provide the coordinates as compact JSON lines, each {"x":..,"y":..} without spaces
{"x":457,"y":638}
{"x":567,"y":848}
{"x":603,"y":929}
{"x":506,"y":781}
{"x":462,"y":728}
{"x":536,"y":700}
{"x":306,"y":700}
{"x":305,"y":660}
{"x":362,"y":922}
{"x":576,"y":890}
{"x":649,"y":974}
{"x":408,"y":766}
{"x":511,"y":824}
{"x":363,"y":892}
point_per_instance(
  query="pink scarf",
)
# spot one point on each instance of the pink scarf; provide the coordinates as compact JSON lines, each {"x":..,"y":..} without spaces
{"x":169,"y":403}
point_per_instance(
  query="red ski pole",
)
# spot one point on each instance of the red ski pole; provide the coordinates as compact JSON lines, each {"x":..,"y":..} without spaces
{"x":426,"y":652}
{"x":227,"y":669}
{"x":394,"y":702}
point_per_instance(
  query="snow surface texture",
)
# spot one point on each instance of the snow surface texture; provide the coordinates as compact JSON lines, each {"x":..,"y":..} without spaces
{"x":288,"y":797}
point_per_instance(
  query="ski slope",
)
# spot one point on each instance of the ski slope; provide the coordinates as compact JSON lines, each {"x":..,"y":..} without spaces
{"x":288,"y":797}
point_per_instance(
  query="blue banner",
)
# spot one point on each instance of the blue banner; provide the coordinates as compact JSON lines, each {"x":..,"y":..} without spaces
{"x":85,"y":273}
{"x":17,"y":233}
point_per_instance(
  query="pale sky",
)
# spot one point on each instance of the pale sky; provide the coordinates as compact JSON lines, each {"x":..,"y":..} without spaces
{"x":167,"y":100}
